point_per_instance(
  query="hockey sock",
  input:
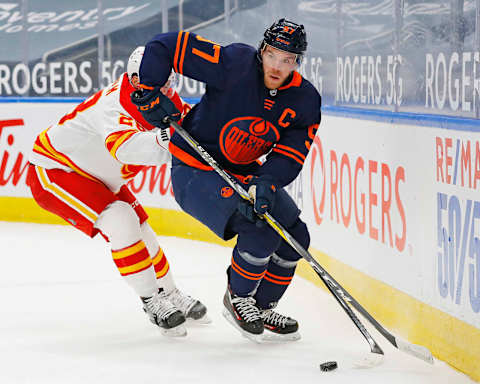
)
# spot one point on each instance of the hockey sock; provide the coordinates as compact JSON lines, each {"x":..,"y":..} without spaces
{"x":281,"y":268}
{"x":162,"y":272}
{"x":159,"y":260}
{"x":278,"y":277}
{"x":120,"y":224}
{"x":135,"y":265}
{"x":246,"y":272}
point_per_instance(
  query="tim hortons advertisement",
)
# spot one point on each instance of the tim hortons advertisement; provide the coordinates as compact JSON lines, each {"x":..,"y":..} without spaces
{"x":20,"y":123}
{"x":399,"y":203}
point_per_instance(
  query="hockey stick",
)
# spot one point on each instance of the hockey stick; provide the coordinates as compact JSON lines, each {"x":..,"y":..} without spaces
{"x":340,"y":294}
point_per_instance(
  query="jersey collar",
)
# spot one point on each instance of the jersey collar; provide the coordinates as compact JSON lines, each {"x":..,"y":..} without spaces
{"x":295,"y":82}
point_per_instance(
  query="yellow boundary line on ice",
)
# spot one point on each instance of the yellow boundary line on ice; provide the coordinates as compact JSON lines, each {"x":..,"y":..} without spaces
{"x":449,"y":338}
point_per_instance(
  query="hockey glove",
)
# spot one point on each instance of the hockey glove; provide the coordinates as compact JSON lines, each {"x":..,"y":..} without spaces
{"x":155,"y":107}
{"x":163,"y":137}
{"x":262,"y":192}
{"x":246,"y":209}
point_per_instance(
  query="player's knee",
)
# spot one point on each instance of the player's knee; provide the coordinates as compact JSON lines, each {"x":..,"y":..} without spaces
{"x":285,"y":254}
{"x":119,"y":223}
{"x":260,"y":242}
{"x":300,"y":232}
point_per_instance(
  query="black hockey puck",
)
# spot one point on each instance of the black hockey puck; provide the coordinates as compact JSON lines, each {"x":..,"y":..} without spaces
{"x":328,"y":366}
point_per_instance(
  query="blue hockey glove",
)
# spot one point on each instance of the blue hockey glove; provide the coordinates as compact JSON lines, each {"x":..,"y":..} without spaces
{"x":155,"y":107}
{"x":246,"y":209}
{"x":262,"y":191}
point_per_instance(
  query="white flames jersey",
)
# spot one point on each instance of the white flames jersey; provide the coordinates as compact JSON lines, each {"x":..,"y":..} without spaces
{"x":104,"y":138}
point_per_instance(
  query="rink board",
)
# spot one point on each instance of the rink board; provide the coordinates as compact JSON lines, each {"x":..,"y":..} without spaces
{"x":391,"y":207}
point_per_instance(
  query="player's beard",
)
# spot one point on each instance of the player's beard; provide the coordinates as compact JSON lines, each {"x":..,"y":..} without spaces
{"x":276,"y":81}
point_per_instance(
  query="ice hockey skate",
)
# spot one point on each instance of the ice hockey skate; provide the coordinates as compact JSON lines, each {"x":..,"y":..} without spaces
{"x":280,"y":328}
{"x":192,"y":309}
{"x":244,"y":315}
{"x":164,"y":314}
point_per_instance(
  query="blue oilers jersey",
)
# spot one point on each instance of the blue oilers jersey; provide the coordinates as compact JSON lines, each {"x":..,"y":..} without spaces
{"x":238,"y":120}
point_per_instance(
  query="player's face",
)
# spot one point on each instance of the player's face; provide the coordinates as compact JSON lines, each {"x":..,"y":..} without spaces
{"x":277,"y":66}
{"x":135,"y":82}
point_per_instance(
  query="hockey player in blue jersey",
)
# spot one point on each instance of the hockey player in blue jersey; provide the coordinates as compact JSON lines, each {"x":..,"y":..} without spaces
{"x":255,"y":104}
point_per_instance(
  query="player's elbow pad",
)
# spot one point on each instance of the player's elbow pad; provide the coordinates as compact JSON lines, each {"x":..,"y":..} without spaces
{"x":147,"y":148}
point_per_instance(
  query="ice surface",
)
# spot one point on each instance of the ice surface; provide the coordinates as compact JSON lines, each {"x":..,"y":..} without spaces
{"x":66,"y":316}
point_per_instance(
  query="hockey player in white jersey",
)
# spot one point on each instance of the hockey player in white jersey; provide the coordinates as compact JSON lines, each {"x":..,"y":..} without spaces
{"x":79,"y":170}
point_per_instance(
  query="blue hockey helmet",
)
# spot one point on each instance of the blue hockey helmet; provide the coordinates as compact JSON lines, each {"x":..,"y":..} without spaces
{"x":287,"y":36}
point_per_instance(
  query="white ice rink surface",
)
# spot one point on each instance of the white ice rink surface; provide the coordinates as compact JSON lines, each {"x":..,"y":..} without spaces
{"x":66,"y":316}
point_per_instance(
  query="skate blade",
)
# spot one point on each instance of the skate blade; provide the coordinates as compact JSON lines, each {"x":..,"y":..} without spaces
{"x":271,"y":337}
{"x":370,"y":361}
{"x":178,"y":331}
{"x":204,"y":320}
{"x":249,"y":336}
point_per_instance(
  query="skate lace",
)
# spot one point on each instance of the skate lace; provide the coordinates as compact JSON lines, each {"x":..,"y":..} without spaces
{"x":247,"y":308}
{"x":181,"y":301}
{"x":274,"y":318}
{"x":160,"y":305}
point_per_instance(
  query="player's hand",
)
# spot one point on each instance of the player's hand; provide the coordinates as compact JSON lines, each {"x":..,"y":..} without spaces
{"x":245,"y":207}
{"x":155,"y":107}
{"x":262,"y":192}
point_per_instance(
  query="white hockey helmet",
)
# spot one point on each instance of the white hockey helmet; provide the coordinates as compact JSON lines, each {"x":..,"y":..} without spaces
{"x":134,"y":61}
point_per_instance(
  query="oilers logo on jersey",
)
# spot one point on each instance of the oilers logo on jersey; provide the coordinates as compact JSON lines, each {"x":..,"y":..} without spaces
{"x":245,"y":139}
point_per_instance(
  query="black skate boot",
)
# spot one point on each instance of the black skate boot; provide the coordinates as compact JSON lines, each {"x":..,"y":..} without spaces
{"x":244,"y":315}
{"x":164,"y":314}
{"x":282,"y":328}
{"x":191,"y":308}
